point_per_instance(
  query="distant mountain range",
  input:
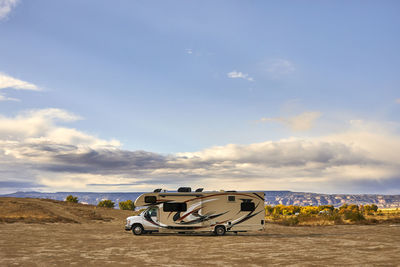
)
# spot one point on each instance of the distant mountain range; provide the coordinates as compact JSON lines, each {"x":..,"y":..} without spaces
{"x":271,"y":198}
{"x":315,"y":199}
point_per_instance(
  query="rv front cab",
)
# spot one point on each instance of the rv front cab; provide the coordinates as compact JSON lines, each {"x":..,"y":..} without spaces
{"x":140,"y":224}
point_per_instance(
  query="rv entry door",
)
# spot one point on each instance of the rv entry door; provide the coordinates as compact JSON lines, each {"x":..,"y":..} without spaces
{"x":151,"y":218}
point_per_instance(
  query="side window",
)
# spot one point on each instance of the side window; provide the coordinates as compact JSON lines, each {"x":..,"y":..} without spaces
{"x":174,"y":207}
{"x":150,"y":199}
{"x":231,"y":198}
{"x":247,"y":206}
{"x":153,"y":212}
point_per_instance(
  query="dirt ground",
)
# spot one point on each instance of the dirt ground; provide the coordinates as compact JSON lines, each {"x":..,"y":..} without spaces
{"x":107,"y":244}
{"x":37,"y":232}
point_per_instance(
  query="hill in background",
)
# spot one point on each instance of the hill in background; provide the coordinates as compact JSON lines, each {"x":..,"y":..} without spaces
{"x":31,"y":210}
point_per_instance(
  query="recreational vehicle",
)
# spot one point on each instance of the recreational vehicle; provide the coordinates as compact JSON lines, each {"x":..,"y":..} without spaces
{"x":186,"y":211}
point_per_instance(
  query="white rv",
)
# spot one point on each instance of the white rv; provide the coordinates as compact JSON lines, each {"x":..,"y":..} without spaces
{"x":187,"y":211}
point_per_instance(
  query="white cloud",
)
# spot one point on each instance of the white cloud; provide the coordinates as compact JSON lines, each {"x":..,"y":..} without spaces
{"x":7,"y":81}
{"x":237,"y":74}
{"x":6,"y":6}
{"x":52,"y":114}
{"x":280,"y":67}
{"x":301,"y":122}
{"x":189,"y":51}
{"x":4,"y":98}
{"x":36,"y":127}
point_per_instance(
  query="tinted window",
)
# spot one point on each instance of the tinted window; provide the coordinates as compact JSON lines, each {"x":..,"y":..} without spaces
{"x":174,"y":207}
{"x":247,"y":206}
{"x":150,"y":199}
{"x":153,"y":212}
{"x":231,"y":198}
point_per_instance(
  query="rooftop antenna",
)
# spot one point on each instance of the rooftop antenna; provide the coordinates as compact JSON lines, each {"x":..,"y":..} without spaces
{"x":184,"y":189}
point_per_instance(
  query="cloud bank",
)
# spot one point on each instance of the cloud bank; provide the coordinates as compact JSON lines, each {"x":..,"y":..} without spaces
{"x":36,"y":152}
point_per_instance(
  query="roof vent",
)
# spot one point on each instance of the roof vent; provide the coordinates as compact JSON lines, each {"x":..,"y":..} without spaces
{"x":184,"y":189}
{"x":199,"y":190}
{"x":157,"y":190}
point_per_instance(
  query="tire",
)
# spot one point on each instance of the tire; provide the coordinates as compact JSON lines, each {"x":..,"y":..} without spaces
{"x":137,"y":229}
{"x":219,"y":230}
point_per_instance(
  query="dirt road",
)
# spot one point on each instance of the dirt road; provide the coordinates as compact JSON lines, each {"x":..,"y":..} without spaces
{"x":107,"y":244}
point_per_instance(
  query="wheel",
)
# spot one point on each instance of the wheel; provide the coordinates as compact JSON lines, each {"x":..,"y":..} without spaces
{"x":137,"y":229}
{"x":219,"y":230}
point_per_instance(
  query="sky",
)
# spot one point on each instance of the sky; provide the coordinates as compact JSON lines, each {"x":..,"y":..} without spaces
{"x":120,"y":96}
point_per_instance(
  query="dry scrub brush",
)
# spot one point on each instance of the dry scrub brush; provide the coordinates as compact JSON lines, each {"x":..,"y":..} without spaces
{"x":326,"y":215}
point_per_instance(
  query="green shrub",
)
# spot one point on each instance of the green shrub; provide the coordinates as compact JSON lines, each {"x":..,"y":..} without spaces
{"x":370,"y":208}
{"x":326,"y":208}
{"x":72,"y":199}
{"x":309,"y":210}
{"x":354,"y":216}
{"x":269,"y":209}
{"x":352,"y":213}
{"x":106,"y":203}
{"x":126,"y":205}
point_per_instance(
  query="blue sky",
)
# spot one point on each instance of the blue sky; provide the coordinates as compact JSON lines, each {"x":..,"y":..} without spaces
{"x":189,"y":80}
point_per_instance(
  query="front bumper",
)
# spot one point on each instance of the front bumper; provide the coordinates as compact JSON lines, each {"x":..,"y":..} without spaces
{"x":128,"y":227}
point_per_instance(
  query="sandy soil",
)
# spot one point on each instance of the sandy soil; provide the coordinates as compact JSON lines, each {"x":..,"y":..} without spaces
{"x":106,"y":243}
{"x":97,"y":238}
